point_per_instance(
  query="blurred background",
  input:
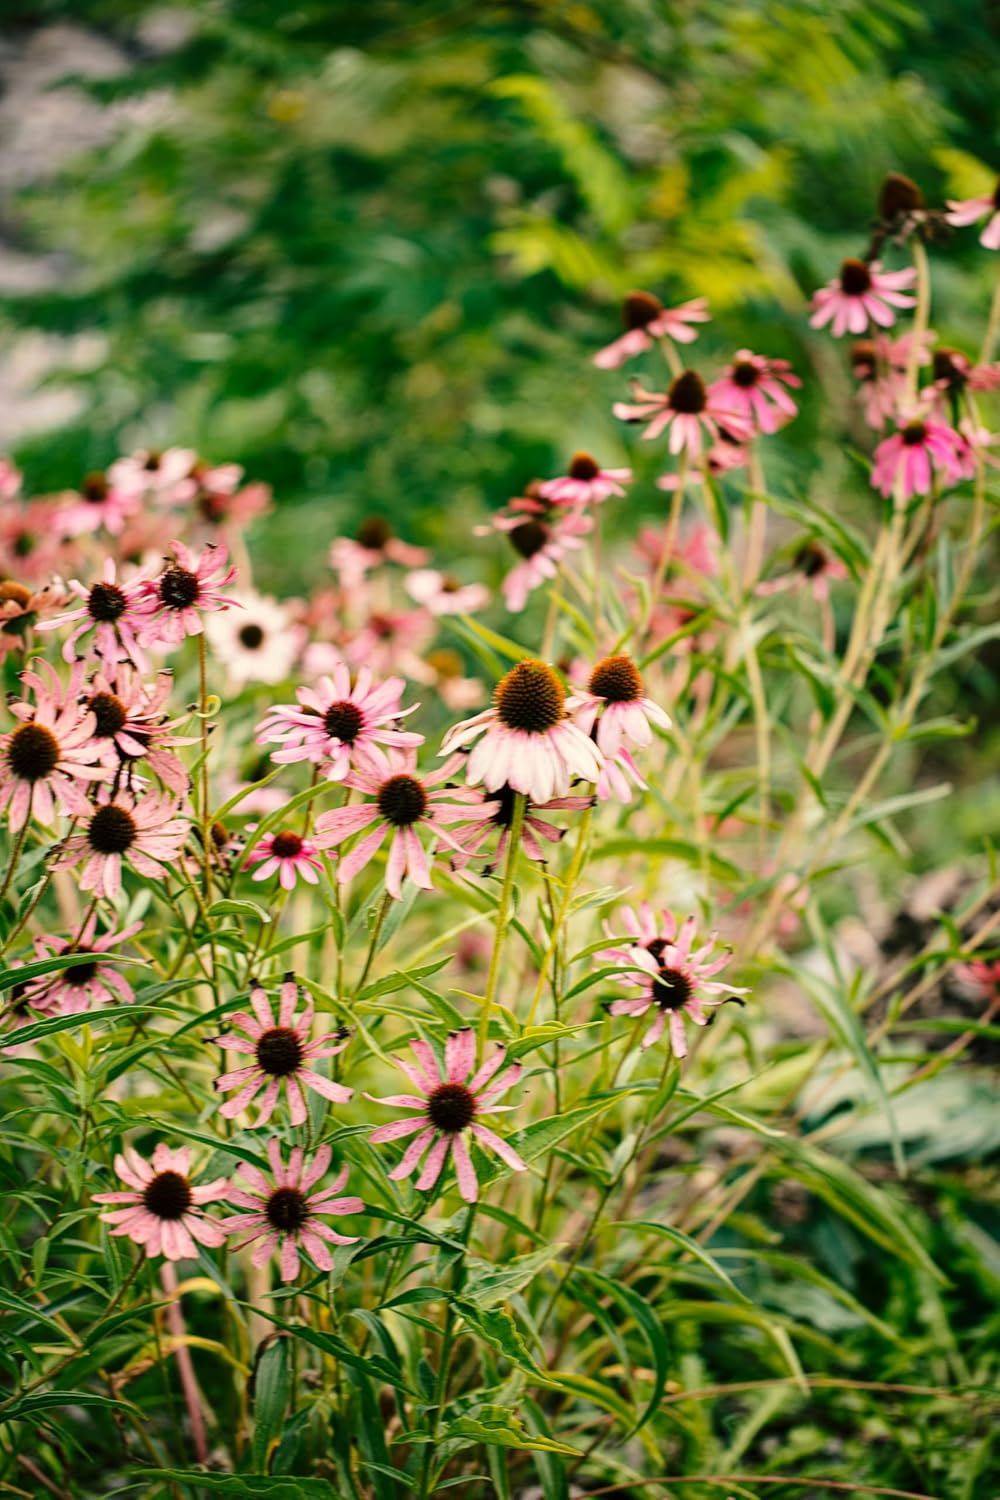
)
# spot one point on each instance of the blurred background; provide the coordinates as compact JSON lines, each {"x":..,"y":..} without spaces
{"x":368,"y":250}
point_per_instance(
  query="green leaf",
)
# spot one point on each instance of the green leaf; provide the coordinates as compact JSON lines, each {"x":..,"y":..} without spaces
{"x":272,"y":1385}
{"x":487,"y":1285}
{"x":269,"y":1485}
{"x":649,"y":1326}
{"x":540,"y":1138}
{"x":499,"y":1428}
{"x":233,"y":908}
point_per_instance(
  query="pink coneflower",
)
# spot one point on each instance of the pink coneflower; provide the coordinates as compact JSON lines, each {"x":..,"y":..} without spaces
{"x":614,"y":708}
{"x":390,"y":642}
{"x":51,"y":756}
{"x":114,"y":610}
{"x":98,"y":503}
{"x":78,"y":988}
{"x":880,"y":365}
{"x":286,"y":854}
{"x":528,"y":740}
{"x":962,"y":211}
{"x":143,"y":831}
{"x":542,"y":541}
{"x":282,"y":1054}
{"x":31,"y":549}
{"x":449,"y":1104}
{"x":257,"y":642}
{"x":813,"y":566}
{"x":150,"y":472}
{"x":374,"y":543}
{"x":339,"y":724}
{"x":861,"y":293}
{"x":755,"y":387}
{"x":619,"y":774}
{"x":234,"y":509}
{"x":914,"y":453}
{"x":129,"y":718}
{"x":443,"y":594}
{"x":399,"y":804}
{"x":10,"y":478}
{"x":646,"y":319}
{"x":954,"y":373}
{"x":188,"y":586}
{"x":672,"y":978}
{"x":496,"y":816}
{"x":585,"y":483}
{"x":688,"y":408}
{"x":284,"y":1216}
{"x":163,"y":1209}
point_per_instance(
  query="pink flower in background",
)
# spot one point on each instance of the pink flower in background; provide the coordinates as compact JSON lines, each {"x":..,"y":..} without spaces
{"x":443,"y":594}
{"x":116,"y":611}
{"x":340,"y":724}
{"x":646,"y":319}
{"x":10,"y":478}
{"x":283,"y":1216}
{"x":495,"y":815}
{"x":860,"y":294}
{"x":398,"y":805}
{"x":755,"y":387}
{"x":542,"y":541}
{"x":915,"y":453}
{"x":286,"y":854}
{"x":954,"y":373}
{"x":154,"y":474}
{"x":812,"y":565}
{"x":50,"y":759}
{"x":259,"y":641}
{"x":880,"y":365}
{"x":585,"y":483}
{"x":87,"y":984}
{"x":162,"y":1209}
{"x":450,"y":1104}
{"x":391,"y":641}
{"x":528,"y":741}
{"x":32,"y":550}
{"x":674,"y":978}
{"x":99,"y":503}
{"x":146,"y":832}
{"x":962,"y":211}
{"x":691,"y":411}
{"x":282,"y":1056}
{"x":614,"y":708}
{"x":188,"y":587}
{"x":375,"y":543}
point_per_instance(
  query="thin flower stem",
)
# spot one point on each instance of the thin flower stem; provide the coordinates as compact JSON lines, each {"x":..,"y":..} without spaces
{"x":206,"y":821}
{"x":921,"y":316}
{"x":383,"y":912}
{"x":669,"y":537}
{"x":503,"y":909}
{"x":15,"y":853}
{"x":993,"y":326}
{"x":757,"y":533}
{"x":572,"y":877}
{"x":185,"y":1369}
{"x":447,"y":1343}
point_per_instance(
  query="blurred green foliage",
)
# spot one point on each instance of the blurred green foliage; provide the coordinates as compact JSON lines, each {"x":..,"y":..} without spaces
{"x":367,"y":251}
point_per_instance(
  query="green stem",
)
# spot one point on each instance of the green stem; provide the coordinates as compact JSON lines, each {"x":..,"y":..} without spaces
{"x":15,"y":853}
{"x":572,"y":876}
{"x":500,"y":931}
{"x":383,"y":912}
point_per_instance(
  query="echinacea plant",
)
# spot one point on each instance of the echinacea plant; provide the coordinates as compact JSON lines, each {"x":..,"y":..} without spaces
{"x":516,"y":815}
